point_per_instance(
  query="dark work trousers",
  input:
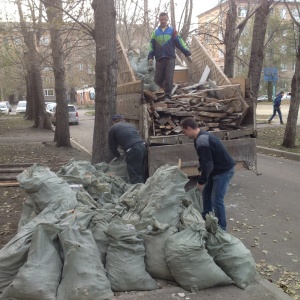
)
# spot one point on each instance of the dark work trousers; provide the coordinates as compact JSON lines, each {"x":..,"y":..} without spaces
{"x":136,"y":159}
{"x":276,"y":109}
{"x":164,"y":74}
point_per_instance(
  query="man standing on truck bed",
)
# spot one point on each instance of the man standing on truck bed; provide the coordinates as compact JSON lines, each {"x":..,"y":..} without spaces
{"x":163,"y":41}
{"x":217,"y":169}
{"x":126,"y":136}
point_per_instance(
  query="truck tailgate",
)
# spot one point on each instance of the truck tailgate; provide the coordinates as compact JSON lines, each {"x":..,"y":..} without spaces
{"x":243,"y":152}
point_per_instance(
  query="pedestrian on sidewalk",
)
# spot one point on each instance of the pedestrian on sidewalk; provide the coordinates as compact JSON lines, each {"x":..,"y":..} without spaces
{"x":216,"y":166}
{"x":276,"y":108}
{"x":163,"y":41}
{"x":126,"y":136}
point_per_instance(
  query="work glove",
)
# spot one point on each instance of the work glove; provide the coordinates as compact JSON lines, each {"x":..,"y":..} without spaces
{"x":150,"y":65}
{"x":189,"y":58}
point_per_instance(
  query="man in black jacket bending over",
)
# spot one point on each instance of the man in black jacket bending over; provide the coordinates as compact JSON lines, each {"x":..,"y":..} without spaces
{"x":217,"y":169}
{"x":126,"y":136}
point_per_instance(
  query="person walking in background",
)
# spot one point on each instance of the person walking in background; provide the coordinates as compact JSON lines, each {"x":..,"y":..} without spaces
{"x":276,"y":108}
{"x":216,"y":166}
{"x":126,"y":136}
{"x":163,"y":41}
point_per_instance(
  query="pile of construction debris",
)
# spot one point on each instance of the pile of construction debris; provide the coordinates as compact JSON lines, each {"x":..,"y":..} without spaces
{"x":209,"y":106}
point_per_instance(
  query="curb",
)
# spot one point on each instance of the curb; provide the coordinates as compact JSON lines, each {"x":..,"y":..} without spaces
{"x":280,"y":153}
{"x":275,"y":290}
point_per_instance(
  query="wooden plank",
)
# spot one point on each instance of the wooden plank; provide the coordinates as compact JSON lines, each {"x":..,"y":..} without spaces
{"x":204,"y":76}
{"x":125,"y":71}
{"x":242,"y":82}
{"x":130,"y":88}
{"x":9,"y":184}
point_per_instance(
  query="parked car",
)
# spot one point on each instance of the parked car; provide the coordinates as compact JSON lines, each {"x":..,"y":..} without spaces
{"x":262,"y":98}
{"x":287,"y":96}
{"x":4,"y":108}
{"x":73,"y":115}
{"x":50,"y":109}
{"x":21,"y":107}
{"x":8,"y":105}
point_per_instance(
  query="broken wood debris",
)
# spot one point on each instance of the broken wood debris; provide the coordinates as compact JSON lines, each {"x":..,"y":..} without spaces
{"x":203,"y":104}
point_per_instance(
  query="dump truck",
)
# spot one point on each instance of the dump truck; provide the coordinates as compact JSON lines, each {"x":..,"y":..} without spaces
{"x":240,"y":140}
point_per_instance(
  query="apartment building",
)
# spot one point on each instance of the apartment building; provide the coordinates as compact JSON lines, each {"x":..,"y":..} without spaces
{"x":281,"y":39}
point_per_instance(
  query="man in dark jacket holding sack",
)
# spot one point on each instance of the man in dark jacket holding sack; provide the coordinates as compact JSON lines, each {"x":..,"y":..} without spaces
{"x":126,"y":136}
{"x":216,"y":166}
{"x":276,"y":108}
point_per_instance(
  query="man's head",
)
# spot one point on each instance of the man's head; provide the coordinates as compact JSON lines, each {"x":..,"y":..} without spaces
{"x":117,"y":118}
{"x":190,"y":128}
{"x":163,"y":19}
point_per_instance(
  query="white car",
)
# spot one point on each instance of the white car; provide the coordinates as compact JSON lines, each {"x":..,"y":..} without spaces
{"x":73,"y":115}
{"x":21,"y":107}
{"x":4,"y":109}
{"x":262,"y":98}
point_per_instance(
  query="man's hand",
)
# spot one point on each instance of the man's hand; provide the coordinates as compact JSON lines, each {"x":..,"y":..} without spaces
{"x":189,"y":58}
{"x":150,"y":65}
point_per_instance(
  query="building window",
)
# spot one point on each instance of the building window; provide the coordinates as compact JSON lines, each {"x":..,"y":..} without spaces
{"x":80,"y":67}
{"x":294,"y":66}
{"x":295,"y":14}
{"x":47,"y":69}
{"x":283,"y":13}
{"x":81,"y":80}
{"x":221,"y":54}
{"x":49,"y":92}
{"x":283,"y":49}
{"x":242,"y":12}
{"x":45,"y":40}
{"x":283,"y":67}
{"x":284,"y":32}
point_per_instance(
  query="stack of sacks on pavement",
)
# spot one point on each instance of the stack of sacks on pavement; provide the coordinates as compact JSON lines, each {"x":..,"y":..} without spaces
{"x":85,"y":233}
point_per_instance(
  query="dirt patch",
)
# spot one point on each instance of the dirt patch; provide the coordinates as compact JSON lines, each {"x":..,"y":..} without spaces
{"x":20,"y":143}
{"x":272,"y":137}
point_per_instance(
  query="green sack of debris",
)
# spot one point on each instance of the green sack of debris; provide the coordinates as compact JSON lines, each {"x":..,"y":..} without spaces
{"x":46,"y":189}
{"x":125,"y":264}
{"x":190,"y":264}
{"x":39,"y":277}
{"x":229,"y":253}
{"x":190,"y":215}
{"x":14,"y":254}
{"x":77,"y":172}
{"x":99,"y":226}
{"x":28,"y":212}
{"x":162,"y":194}
{"x":196,"y":197}
{"x":83,"y":275}
{"x":155,"y":259}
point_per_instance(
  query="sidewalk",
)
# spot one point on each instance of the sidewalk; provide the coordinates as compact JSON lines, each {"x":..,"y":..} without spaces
{"x":259,"y":289}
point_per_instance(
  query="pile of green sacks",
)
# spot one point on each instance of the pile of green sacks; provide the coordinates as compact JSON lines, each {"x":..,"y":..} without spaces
{"x":85,"y":232}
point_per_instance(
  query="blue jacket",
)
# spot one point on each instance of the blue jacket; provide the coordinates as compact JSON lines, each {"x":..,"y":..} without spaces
{"x":163,"y":43}
{"x":277,"y":100}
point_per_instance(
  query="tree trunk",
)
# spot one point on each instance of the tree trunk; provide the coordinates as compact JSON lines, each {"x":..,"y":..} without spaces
{"x":290,"y":133}
{"x":258,"y":44}
{"x":55,"y":18}
{"x":230,"y":39}
{"x":106,"y":76}
{"x":41,"y":118}
{"x":172,"y":10}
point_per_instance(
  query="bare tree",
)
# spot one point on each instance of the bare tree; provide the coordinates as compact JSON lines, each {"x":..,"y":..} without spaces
{"x":106,"y":76}
{"x":41,"y":118}
{"x":258,"y":44}
{"x":291,"y":126}
{"x":55,"y":18}
{"x":232,"y":35}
